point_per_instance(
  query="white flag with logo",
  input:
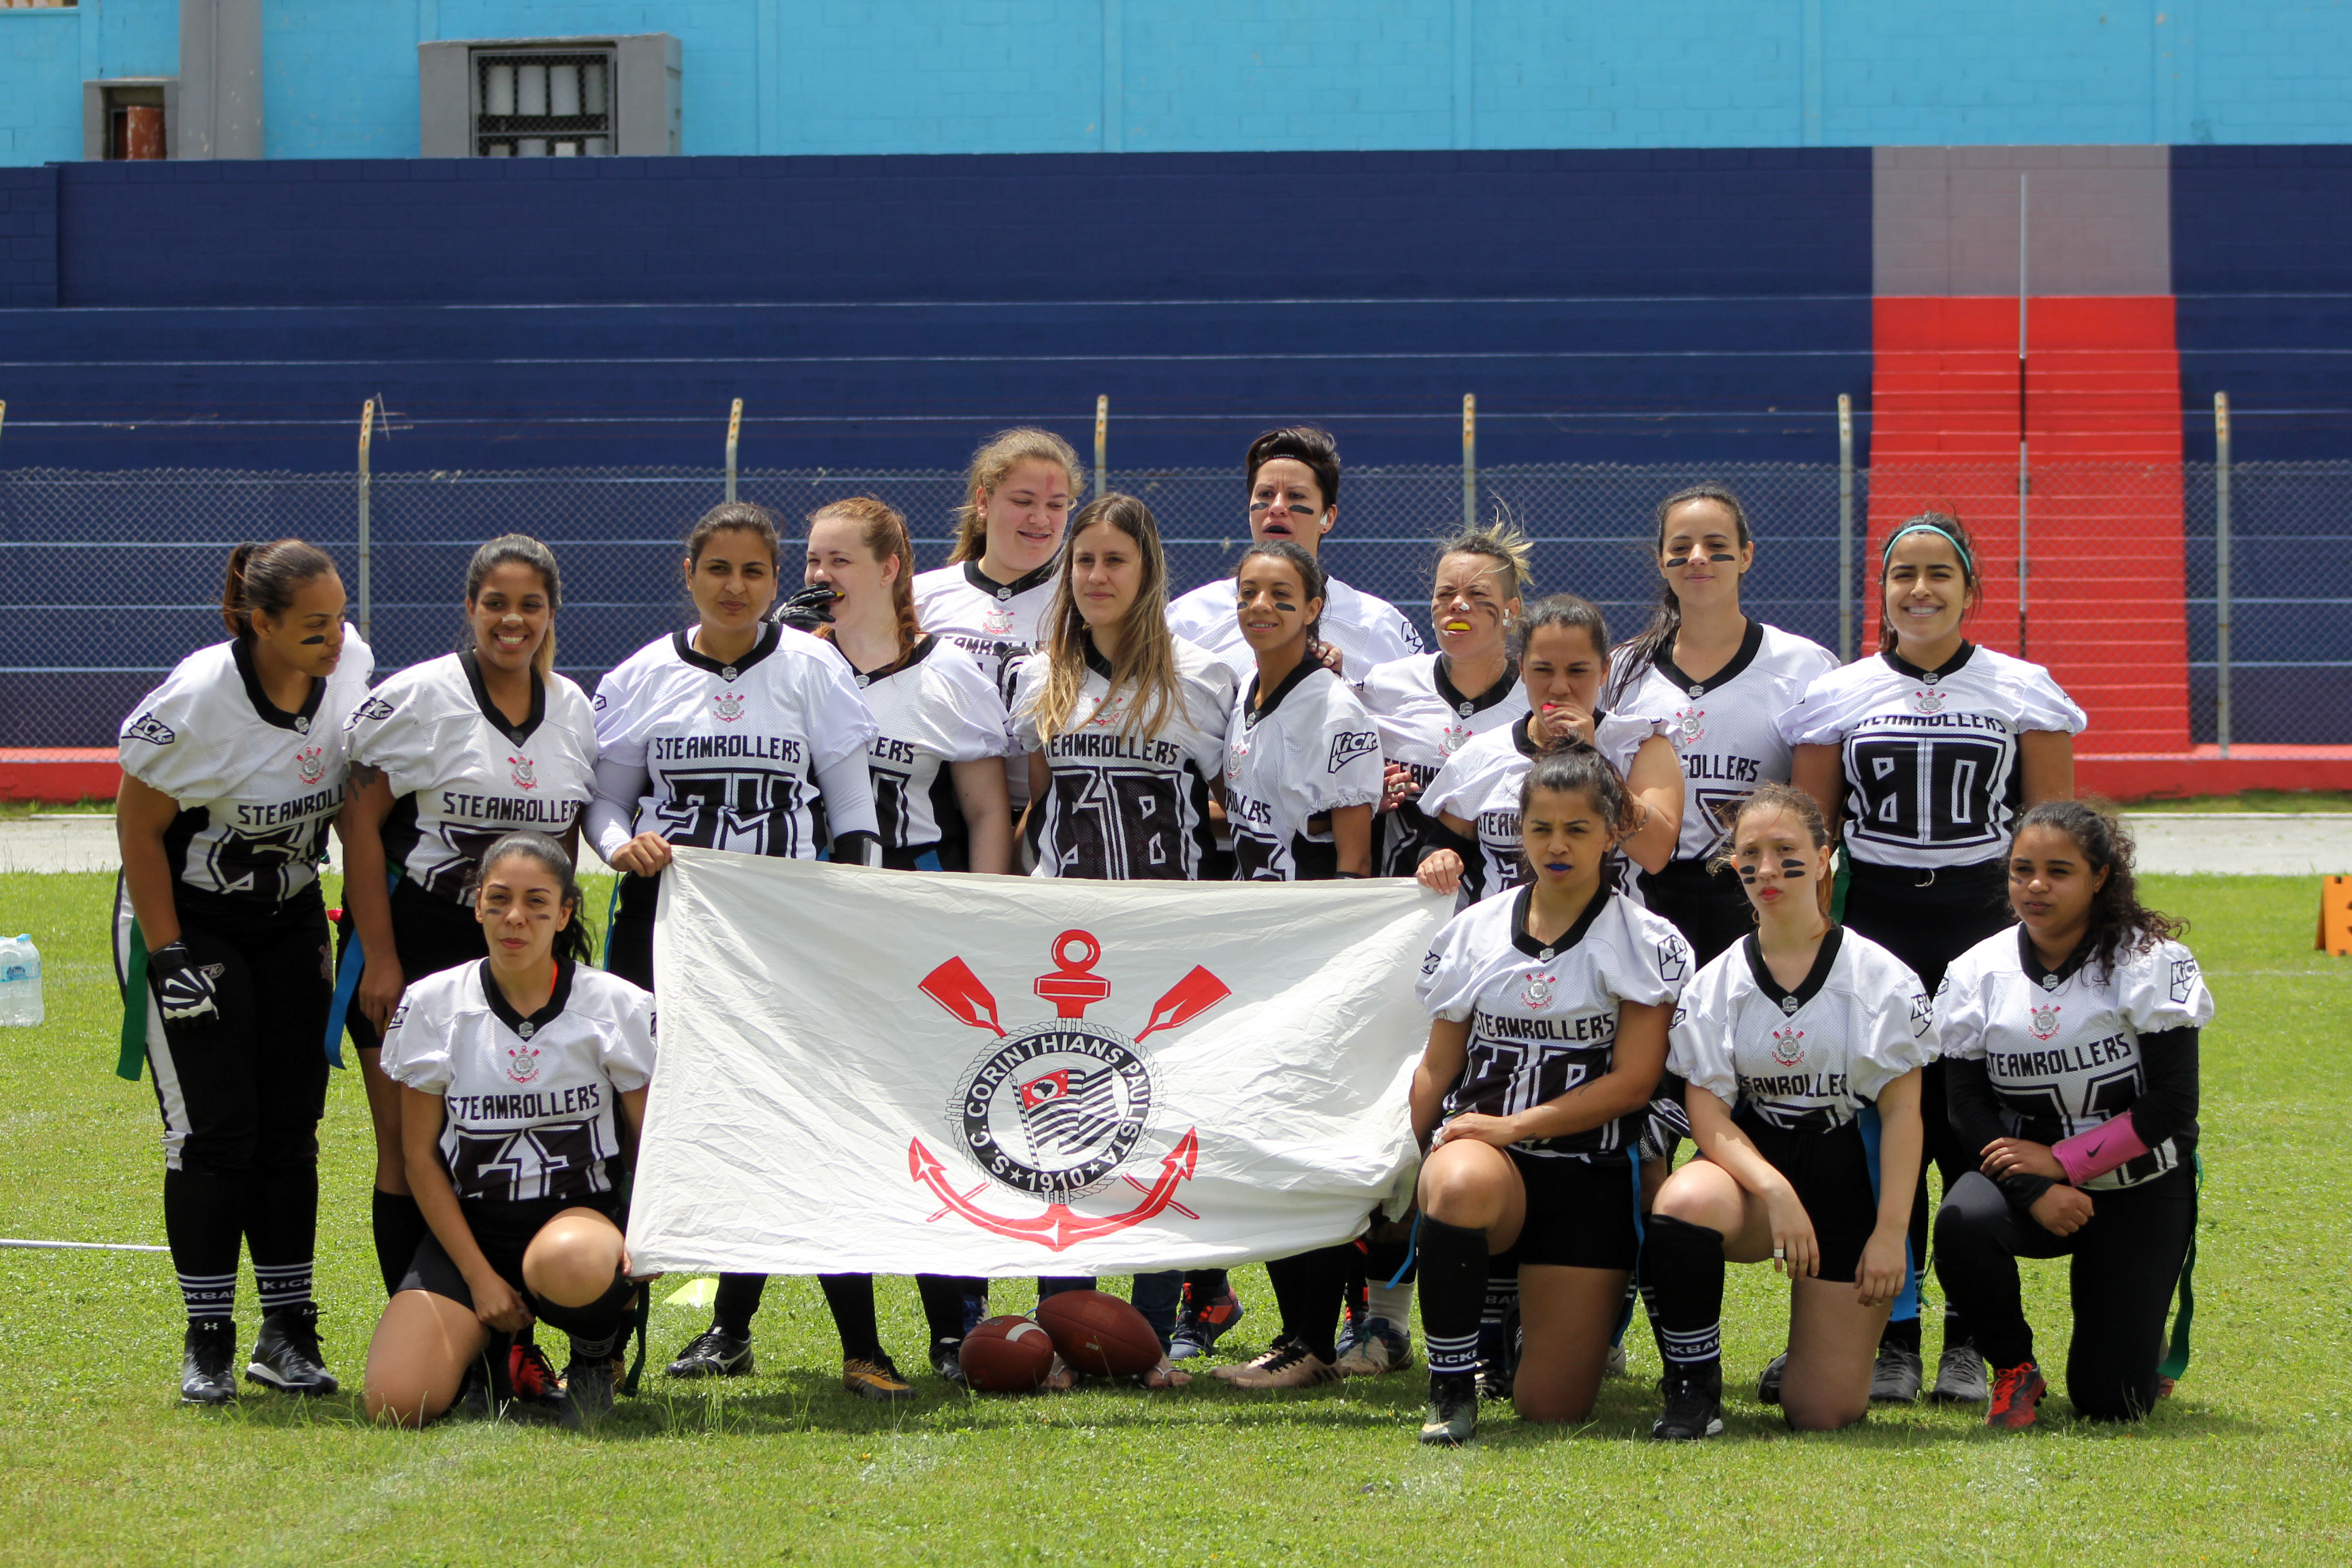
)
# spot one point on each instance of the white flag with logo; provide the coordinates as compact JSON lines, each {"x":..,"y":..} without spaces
{"x":899,"y":1071}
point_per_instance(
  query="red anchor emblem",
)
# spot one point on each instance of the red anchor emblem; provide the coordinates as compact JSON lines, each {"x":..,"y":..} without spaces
{"x":1057,"y":1107}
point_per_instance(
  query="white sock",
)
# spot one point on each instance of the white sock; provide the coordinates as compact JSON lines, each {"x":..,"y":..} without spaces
{"x":1394,"y":1304}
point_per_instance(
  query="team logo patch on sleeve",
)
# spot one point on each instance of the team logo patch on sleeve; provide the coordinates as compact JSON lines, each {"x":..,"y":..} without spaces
{"x":399,"y":1016}
{"x":374,"y":708}
{"x":149,"y":727}
{"x":1923,"y":1013}
{"x":2184,"y":979}
{"x":1674,"y":960}
{"x":1429,"y":963}
{"x":1347,"y":746}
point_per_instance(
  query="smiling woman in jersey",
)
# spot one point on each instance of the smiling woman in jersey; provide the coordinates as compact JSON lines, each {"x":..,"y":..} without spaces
{"x":1472,"y":845}
{"x":1720,"y":679}
{"x":447,"y":757}
{"x":1302,"y":776}
{"x":1429,"y":705}
{"x":522,"y":1089}
{"x":232,"y":771}
{"x":1921,"y":756}
{"x":743,"y":735}
{"x":2072,"y":1049}
{"x":1123,"y":723}
{"x":937,"y":768}
{"x":1791,"y":1042}
{"x":1549,"y":1011}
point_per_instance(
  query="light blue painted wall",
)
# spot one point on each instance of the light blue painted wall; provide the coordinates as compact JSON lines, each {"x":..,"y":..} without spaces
{"x":1045,"y":76}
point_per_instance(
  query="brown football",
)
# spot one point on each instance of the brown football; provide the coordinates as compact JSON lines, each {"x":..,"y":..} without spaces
{"x":1007,"y":1356}
{"x":1099,"y":1335}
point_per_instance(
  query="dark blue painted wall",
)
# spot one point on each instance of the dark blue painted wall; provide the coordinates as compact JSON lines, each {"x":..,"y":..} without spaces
{"x":1603,"y":306}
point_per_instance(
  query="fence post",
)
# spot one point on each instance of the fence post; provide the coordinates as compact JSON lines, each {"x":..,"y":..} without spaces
{"x":1102,"y":443}
{"x":367,"y":546}
{"x":4,"y":413}
{"x":2222,"y":570}
{"x":734,"y":429}
{"x":1469,"y":460}
{"x":1845,"y":528}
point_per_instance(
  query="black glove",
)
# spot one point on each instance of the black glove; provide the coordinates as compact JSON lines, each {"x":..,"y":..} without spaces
{"x":182,"y":990}
{"x":805,"y":611}
{"x":857,"y":848}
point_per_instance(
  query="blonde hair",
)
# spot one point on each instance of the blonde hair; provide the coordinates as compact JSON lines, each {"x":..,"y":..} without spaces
{"x":1504,"y":544}
{"x":1146,"y":664}
{"x":882,"y":530}
{"x":996,"y":458}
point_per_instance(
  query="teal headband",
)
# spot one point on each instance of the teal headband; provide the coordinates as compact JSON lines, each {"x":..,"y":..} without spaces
{"x":1968,"y":562}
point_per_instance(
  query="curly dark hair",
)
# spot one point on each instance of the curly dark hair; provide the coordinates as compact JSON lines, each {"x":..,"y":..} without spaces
{"x":2120,"y":923}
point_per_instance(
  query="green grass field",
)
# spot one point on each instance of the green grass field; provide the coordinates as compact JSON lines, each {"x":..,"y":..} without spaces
{"x":98,"y":1462}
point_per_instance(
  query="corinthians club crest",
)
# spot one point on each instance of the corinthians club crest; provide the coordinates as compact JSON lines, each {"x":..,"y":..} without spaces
{"x":1056,"y":1109}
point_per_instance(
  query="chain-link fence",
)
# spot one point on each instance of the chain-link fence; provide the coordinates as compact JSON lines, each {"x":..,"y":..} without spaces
{"x":107,"y":578}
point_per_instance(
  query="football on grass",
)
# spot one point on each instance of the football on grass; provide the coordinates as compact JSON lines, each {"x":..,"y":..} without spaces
{"x":1099,"y":1335}
{"x":1007,"y":1356}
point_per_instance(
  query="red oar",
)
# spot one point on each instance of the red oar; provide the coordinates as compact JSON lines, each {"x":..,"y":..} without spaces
{"x":1186,"y":1000}
{"x":954,"y":986}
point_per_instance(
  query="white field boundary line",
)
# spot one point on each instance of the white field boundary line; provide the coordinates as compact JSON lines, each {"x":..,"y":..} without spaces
{"x":79,"y":1245}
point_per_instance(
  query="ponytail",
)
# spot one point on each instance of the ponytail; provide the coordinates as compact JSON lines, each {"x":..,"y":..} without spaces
{"x":263,"y":579}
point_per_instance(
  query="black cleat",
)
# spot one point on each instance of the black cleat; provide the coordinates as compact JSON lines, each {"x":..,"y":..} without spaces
{"x":208,"y":1362}
{"x":1694,"y":1408}
{"x":588,"y":1391}
{"x":286,"y":1356}
{"x":1768,"y":1387}
{"x":1452,"y":1409}
{"x":714,"y":1353}
{"x":947,"y":1361}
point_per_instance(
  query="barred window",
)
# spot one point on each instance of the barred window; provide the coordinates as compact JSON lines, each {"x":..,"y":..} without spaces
{"x":543,"y":103}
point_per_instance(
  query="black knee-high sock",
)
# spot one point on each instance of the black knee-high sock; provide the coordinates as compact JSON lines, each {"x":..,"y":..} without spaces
{"x":851,"y":1297}
{"x":1501,"y":1301}
{"x":946,"y":1304}
{"x":1453,"y":1295}
{"x":281,"y":1233}
{"x":203,"y":1220}
{"x":738,"y":1298}
{"x":399,"y":1230}
{"x":1683,"y":1264}
{"x":1309,"y":1289}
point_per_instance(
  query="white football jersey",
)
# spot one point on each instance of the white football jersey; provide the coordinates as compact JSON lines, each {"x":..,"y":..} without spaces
{"x":1931,"y":770}
{"x":1124,"y":807}
{"x":1311,"y":750}
{"x":995,"y":623}
{"x":462,"y":774}
{"x":1423,"y":721}
{"x":257,"y":787}
{"x":933,"y":707}
{"x":1543,"y":1016}
{"x":533,"y":1102}
{"x":1809,"y":1059}
{"x":1479,"y":785}
{"x":2063,"y":1049}
{"x":731,"y":752}
{"x":1724,"y":728}
{"x":1367,"y":631}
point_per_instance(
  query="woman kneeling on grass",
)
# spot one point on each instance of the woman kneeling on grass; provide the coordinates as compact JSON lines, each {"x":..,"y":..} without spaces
{"x":1548,"y":1036}
{"x":1789,"y":1039}
{"x":2073,"y":1044}
{"x":520,"y":1076}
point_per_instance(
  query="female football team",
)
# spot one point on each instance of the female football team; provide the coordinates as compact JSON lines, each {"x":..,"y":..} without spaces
{"x":1833,"y":924}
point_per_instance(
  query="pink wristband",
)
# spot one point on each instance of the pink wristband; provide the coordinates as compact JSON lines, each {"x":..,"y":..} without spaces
{"x":2113,"y":1142}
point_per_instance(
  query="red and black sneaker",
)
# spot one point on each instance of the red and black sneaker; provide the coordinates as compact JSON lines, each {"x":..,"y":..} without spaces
{"x":532,"y":1377}
{"x":2016,"y":1390}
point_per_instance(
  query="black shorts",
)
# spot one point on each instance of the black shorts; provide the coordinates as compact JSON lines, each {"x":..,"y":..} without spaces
{"x":629,"y":944}
{"x":1927,"y":918}
{"x":1579,"y":1211}
{"x":1709,"y":907}
{"x":430,"y":933}
{"x":503,"y":1231}
{"x":1831,"y":1173}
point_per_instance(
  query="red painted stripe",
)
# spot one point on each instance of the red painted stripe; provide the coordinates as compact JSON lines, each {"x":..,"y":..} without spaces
{"x":2104,"y":519}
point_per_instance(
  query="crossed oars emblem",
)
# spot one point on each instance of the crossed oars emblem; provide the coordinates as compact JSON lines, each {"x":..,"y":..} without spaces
{"x":1072,"y":987}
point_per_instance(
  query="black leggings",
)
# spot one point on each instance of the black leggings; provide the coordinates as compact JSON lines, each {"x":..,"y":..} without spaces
{"x":430,"y":934}
{"x":1928,"y":927}
{"x":2127,"y":1261}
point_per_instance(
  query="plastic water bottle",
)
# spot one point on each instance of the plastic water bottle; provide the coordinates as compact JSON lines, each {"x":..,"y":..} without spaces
{"x":20,"y":980}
